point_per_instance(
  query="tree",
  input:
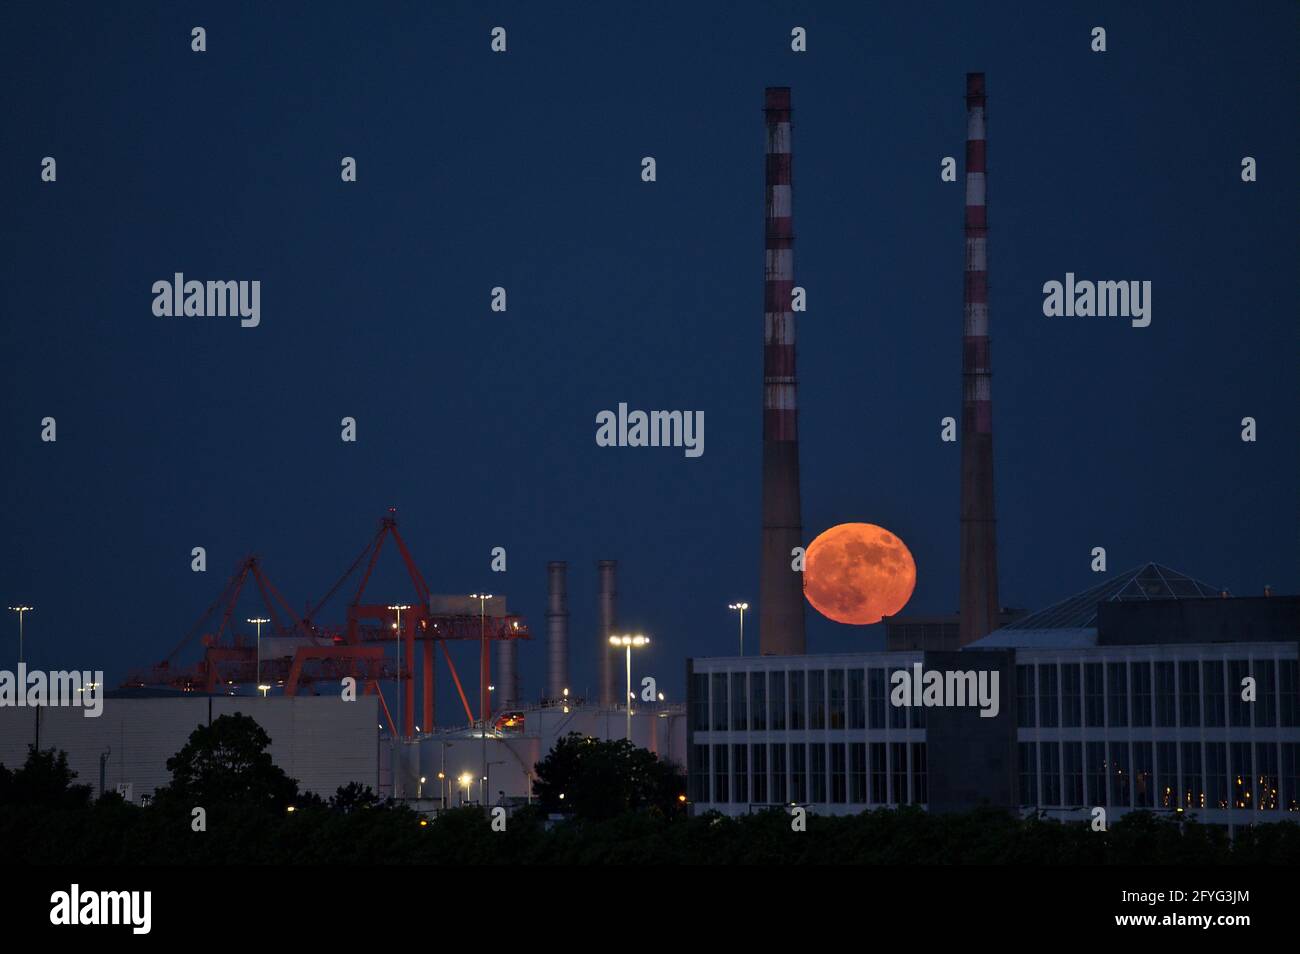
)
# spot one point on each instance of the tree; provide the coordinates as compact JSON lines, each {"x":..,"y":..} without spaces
{"x":601,"y":779}
{"x":226,"y":762}
{"x":44,"y":780}
{"x":353,"y":797}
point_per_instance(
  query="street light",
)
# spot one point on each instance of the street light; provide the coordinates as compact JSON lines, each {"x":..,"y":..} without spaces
{"x":627,"y":642}
{"x":742,"y":607}
{"x":465,"y":780}
{"x":482,"y":680}
{"x":20,"y":610}
{"x":258,"y":678}
{"x":398,"y":627}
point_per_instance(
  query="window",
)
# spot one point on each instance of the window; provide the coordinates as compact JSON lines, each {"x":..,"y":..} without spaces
{"x":740,"y":773}
{"x":1266,"y":775}
{"x":879,"y":777}
{"x":758,"y":702}
{"x":1291,"y":776}
{"x":720,"y":702}
{"x":720,"y":774}
{"x":779,"y":790}
{"x":799,"y":773}
{"x":876,"y":699}
{"x":1071,"y":696}
{"x":818,"y":772}
{"x":797,"y":714}
{"x":1140,"y":675}
{"x":1025,"y":697}
{"x":1189,"y":693}
{"x":817,"y":700}
{"x":1117,"y":708}
{"x":1094,"y":715}
{"x":1216,"y":775}
{"x":1238,"y":708}
{"x":1212,"y":672}
{"x":836,"y":677}
{"x":1072,"y":757}
{"x":758,"y":759}
{"x":739,"y":696}
{"x":1165,"y":711}
{"x":1120,"y":775}
{"x":839,"y":791}
{"x":699,"y":702}
{"x":1193,"y":790}
{"x":1288,"y":683}
{"x":897,"y":714}
{"x":857,"y":699}
{"x":1167,"y":774}
{"x":1051,"y":773}
{"x":1144,"y":782}
{"x":1096,"y":768}
{"x":1028,"y":773}
{"x":700,"y":770}
{"x":776,"y":682}
{"x":920,"y":794}
{"x":858,"y":773}
{"x":1243,"y":776}
{"x":1266,"y":693}
{"x":1047,"y":712}
{"x":898,"y":758}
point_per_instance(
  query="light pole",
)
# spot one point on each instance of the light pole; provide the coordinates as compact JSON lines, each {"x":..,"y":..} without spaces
{"x":465,"y":780}
{"x":397,"y":728}
{"x":20,"y":610}
{"x":257,"y":621}
{"x":627,"y":642}
{"x":742,"y":607}
{"x":483,"y":686}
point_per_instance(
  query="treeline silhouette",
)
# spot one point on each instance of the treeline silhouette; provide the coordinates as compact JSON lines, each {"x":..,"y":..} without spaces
{"x":621,"y":805}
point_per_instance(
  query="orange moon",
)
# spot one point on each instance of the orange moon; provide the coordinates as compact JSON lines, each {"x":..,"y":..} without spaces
{"x":858,"y":573}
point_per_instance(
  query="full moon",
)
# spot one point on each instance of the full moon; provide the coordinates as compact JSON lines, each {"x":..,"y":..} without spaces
{"x":858,"y":573}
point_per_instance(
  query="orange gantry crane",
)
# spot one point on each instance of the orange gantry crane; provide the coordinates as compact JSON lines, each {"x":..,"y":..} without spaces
{"x":329,"y":654}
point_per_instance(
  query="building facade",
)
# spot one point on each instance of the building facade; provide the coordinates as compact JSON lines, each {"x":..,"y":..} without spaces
{"x":1113,"y":706}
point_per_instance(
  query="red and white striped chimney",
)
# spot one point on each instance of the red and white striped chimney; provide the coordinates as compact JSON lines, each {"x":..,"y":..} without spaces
{"x":780,"y":603}
{"x":979,"y":557}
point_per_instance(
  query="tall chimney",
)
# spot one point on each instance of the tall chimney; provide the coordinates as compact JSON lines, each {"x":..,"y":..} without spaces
{"x":780,"y":593}
{"x":607,"y":606}
{"x":507,"y":682}
{"x":979,"y":552}
{"x":557,"y":630}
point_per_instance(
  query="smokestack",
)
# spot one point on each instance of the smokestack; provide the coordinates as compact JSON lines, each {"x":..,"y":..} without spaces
{"x":979,"y":553}
{"x":507,"y":682}
{"x":557,"y":630}
{"x":607,"y":606}
{"x":780,"y":594}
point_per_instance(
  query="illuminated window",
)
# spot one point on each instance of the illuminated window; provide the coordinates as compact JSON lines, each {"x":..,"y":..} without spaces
{"x":1192,"y":791}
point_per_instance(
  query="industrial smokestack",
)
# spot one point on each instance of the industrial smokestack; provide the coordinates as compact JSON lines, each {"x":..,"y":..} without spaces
{"x":507,"y":682}
{"x":557,"y":630}
{"x":780,"y":594}
{"x":979,"y":553}
{"x":607,"y":607}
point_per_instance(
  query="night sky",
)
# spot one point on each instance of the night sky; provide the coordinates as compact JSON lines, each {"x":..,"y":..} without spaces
{"x":523,"y":170}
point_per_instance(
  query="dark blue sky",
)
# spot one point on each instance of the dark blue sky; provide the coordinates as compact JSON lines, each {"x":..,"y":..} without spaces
{"x":522,"y":170}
